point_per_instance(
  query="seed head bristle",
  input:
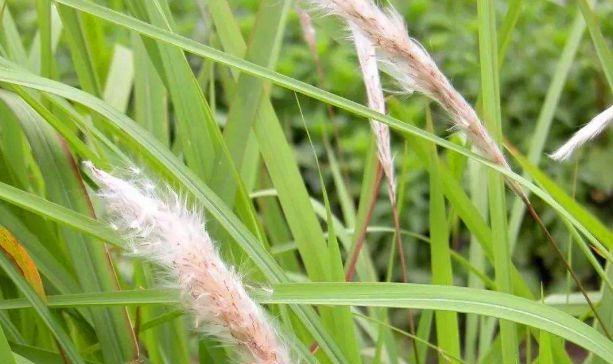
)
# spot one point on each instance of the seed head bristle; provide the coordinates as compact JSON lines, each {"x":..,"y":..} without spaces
{"x":412,"y":67}
{"x":583,"y":135}
{"x":376,"y":100}
{"x":165,"y":231}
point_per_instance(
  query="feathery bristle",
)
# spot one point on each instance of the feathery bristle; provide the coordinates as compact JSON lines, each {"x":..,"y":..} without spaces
{"x":374,"y":92}
{"x":583,"y":135}
{"x":412,"y":67}
{"x":166,"y":232}
{"x":306,"y":25}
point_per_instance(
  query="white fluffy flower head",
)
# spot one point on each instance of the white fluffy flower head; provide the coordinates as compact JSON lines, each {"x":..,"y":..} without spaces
{"x":166,"y":232}
{"x":596,"y":126}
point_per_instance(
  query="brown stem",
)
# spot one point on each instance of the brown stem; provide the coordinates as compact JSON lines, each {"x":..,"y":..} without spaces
{"x":399,"y":245}
{"x":516,"y":188}
{"x":552,"y":242}
{"x":361,"y":237}
{"x":405,"y":271}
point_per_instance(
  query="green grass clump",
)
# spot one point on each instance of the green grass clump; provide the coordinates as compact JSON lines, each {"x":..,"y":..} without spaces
{"x":267,"y":137}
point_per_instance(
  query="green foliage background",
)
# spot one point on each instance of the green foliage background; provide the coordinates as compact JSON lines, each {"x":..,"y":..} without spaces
{"x":449,"y":30}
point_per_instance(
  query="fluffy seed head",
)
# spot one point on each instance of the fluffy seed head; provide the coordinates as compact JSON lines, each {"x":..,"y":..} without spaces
{"x":409,"y":63}
{"x":367,"y":58}
{"x":166,"y":232}
{"x":583,"y":135}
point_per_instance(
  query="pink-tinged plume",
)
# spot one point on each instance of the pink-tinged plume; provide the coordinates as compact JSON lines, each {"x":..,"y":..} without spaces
{"x":164,"y":231}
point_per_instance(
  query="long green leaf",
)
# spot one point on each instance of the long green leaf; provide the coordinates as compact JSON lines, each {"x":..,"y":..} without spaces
{"x":447,"y":330}
{"x":193,"y":116}
{"x":58,"y":213}
{"x":600,"y":43}
{"x":459,"y":299}
{"x":306,"y":89}
{"x":89,"y":260}
{"x":159,"y":156}
{"x":496,"y":194}
{"x":399,"y":295}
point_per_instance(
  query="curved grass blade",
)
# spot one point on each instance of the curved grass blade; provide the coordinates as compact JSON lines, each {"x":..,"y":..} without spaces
{"x":304,"y":88}
{"x":600,"y":43}
{"x":10,"y":246}
{"x":165,"y":162}
{"x":64,"y":186}
{"x":58,"y":213}
{"x":459,"y":299}
{"x":601,"y":232}
{"x":398,"y":295}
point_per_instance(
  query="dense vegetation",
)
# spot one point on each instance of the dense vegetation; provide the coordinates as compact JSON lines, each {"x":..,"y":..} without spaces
{"x":196,"y":95}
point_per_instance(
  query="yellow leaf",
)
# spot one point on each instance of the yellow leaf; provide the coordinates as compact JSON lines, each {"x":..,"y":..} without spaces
{"x":11,"y":247}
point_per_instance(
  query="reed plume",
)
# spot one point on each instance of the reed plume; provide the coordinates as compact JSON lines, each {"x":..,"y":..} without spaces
{"x":376,"y":101}
{"x":164,"y":231}
{"x":583,"y":135}
{"x":367,"y":58}
{"x":412,"y":67}
{"x":374,"y":92}
{"x":409,"y":63}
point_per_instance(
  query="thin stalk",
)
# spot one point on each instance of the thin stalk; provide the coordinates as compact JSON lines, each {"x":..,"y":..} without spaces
{"x":309,"y":35}
{"x":569,"y":251}
{"x":553,"y":244}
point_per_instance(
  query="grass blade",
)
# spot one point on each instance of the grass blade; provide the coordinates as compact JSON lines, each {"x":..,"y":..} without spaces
{"x":301,"y":87}
{"x":496,"y":191}
{"x":600,"y":43}
{"x":447,"y":329}
{"x":42,"y":310}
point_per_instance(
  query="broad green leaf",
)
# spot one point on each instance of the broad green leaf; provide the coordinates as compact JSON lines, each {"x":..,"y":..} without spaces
{"x":118,"y":85}
{"x":398,"y":295}
{"x":251,"y":93}
{"x":83,"y":56}
{"x":9,"y":35}
{"x":545,"y":354}
{"x":150,"y":96}
{"x":196,"y":128}
{"x":43,"y":9}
